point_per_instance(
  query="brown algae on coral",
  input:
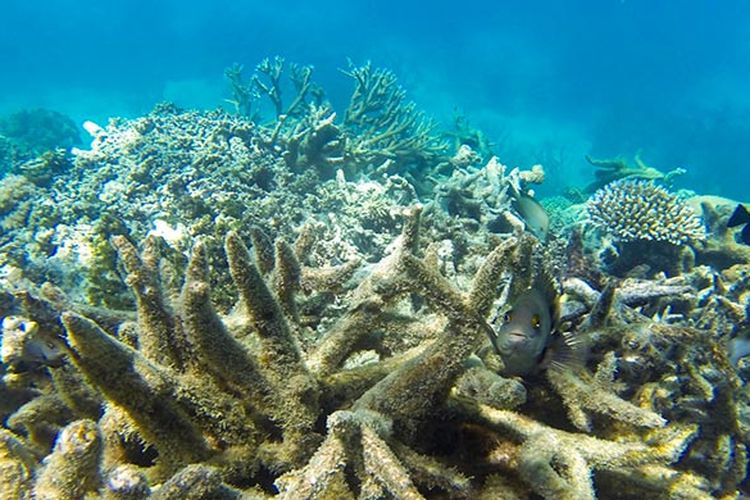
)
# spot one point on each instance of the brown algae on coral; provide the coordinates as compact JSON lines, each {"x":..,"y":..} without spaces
{"x":309,"y":318}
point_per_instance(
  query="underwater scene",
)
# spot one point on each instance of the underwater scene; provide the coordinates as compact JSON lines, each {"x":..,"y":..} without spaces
{"x":374,"y":250}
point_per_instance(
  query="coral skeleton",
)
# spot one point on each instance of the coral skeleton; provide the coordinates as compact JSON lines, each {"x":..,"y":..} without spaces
{"x":207,"y":305}
{"x":238,"y":397}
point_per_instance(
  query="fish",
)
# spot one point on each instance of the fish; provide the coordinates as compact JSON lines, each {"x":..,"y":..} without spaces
{"x":739,"y":217}
{"x":532,"y":213}
{"x":527,"y":339}
{"x":524,"y":333}
{"x":24,"y":349}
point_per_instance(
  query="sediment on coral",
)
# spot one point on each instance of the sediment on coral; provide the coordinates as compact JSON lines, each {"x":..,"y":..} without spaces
{"x":259,"y":407}
{"x":292,"y":308}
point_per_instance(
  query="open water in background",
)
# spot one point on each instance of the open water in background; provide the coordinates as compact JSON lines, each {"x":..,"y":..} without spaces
{"x":542,"y":78}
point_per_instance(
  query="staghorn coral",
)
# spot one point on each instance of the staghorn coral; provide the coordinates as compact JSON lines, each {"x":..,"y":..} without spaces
{"x":242,"y":398}
{"x":608,"y":171}
{"x":558,"y":464}
{"x":683,"y":372}
{"x":383,"y":125}
{"x":380,"y":131}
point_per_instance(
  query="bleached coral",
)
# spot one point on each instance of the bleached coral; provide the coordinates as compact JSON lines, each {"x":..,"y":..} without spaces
{"x":334,"y":358}
{"x":639,"y":210}
{"x":485,"y":194}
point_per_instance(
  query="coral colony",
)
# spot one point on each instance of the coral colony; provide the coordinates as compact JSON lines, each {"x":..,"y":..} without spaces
{"x":218,"y":305}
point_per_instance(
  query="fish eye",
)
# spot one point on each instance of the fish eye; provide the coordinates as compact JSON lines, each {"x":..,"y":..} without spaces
{"x":536,"y":321}
{"x":507,"y":318}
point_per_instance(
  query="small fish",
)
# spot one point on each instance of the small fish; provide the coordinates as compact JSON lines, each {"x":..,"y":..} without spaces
{"x":524,"y":334}
{"x":533,"y":214}
{"x":739,"y":217}
{"x":23,"y":348}
{"x":527,"y":338}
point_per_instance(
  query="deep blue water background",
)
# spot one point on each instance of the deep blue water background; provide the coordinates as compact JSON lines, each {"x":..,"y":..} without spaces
{"x":544,"y":79}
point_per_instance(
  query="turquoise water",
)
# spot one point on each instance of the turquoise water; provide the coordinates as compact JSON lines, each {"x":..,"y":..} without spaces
{"x":329,"y":297}
{"x":543,"y":79}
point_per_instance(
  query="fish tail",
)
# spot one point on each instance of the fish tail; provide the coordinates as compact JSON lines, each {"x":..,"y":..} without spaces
{"x":739,"y":216}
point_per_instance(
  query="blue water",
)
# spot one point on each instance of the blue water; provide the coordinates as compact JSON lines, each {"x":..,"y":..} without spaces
{"x":542,"y":78}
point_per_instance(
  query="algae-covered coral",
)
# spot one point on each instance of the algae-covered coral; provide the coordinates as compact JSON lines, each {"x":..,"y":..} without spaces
{"x":214,"y":315}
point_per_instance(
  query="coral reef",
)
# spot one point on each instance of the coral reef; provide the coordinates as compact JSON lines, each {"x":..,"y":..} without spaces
{"x":189,"y":174}
{"x":203,"y":305}
{"x":242,"y":396}
{"x":183,"y":175}
{"x":26,"y":134}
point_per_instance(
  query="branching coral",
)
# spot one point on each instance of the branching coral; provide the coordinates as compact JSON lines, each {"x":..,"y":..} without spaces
{"x":382,"y":124}
{"x":380,"y":128}
{"x":684,"y":373}
{"x":244,"y":93}
{"x":612,"y":170}
{"x":650,"y":226}
{"x":242,"y":398}
{"x":639,"y":210}
{"x":559,"y":464}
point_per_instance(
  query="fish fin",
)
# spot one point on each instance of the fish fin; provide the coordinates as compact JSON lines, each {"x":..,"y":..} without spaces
{"x":491,"y":333}
{"x":739,"y":216}
{"x":745,"y":235}
{"x":568,"y":350}
{"x":545,"y":282}
{"x":514,"y":192}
